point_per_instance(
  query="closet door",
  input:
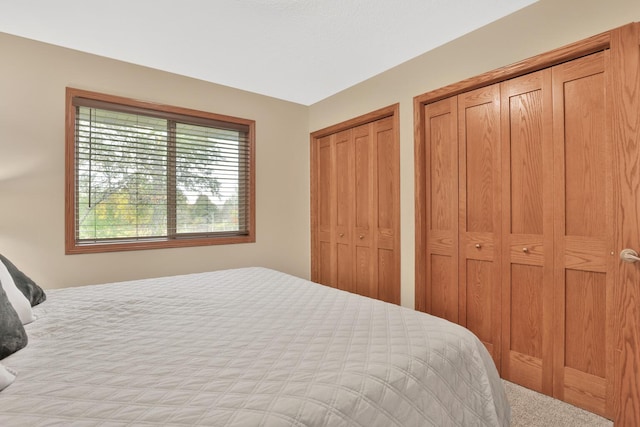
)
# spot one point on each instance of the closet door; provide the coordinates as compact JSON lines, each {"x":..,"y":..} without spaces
{"x":584,"y":253}
{"x":361,"y":199}
{"x":366,"y":177}
{"x":343,"y":175}
{"x":624,"y":86}
{"x":324,"y":267}
{"x":355,"y":210}
{"x":527,"y":230}
{"x":334,"y":178}
{"x":384,"y":236}
{"x":441,"y":157}
{"x":479,"y":220}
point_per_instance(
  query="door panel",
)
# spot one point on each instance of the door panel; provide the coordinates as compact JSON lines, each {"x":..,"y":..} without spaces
{"x":343,"y":173}
{"x":441,"y":157}
{"x":481,"y":133}
{"x":364,"y":285}
{"x":585,"y":148}
{"x":444,"y":292}
{"x":585,"y":321}
{"x":479,"y":303}
{"x":527,"y":256}
{"x":524,"y":362}
{"x":325,"y":272}
{"x":525,"y":332}
{"x":325,"y":267}
{"x":479,"y":215}
{"x":386,"y":275}
{"x":363,"y":146}
{"x":583,"y":356}
{"x":345,"y":268}
{"x":386,"y":199}
{"x":624,"y":86}
{"x":526,"y":148}
{"x":386,"y":172}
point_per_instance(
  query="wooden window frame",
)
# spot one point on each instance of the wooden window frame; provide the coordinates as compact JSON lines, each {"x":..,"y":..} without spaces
{"x":72,"y":246}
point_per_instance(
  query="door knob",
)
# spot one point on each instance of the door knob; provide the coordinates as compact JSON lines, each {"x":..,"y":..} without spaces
{"x":629,"y":255}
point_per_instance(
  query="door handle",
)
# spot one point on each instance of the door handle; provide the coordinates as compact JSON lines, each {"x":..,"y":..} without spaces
{"x":629,"y":255}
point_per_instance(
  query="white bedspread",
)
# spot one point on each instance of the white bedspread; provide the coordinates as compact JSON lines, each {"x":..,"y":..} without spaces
{"x":245,"y":347}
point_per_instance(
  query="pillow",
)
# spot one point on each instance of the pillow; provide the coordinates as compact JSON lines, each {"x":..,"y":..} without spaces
{"x":28,"y":287}
{"x":6,"y":377}
{"x":19,"y":302}
{"x":13,"y":337}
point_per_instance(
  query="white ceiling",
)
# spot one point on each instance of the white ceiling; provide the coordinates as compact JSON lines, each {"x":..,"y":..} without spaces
{"x":297,"y":50}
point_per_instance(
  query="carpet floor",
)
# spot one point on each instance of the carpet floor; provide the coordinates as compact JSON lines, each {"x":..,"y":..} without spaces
{"x":531,"y":409}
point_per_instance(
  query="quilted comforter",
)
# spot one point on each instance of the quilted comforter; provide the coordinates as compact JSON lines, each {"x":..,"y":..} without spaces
{"x":245,"y":347}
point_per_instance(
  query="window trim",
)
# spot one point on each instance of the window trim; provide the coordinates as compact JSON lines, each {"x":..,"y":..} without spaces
{"x":71,"y":244}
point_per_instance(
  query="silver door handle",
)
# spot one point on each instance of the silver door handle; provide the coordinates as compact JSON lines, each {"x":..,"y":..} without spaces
{"x":629,"y":255}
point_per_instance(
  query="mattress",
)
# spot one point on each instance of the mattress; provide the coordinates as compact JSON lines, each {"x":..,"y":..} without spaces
{"x":245,"y":347}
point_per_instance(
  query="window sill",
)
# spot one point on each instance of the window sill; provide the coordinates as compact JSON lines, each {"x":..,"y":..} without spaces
{"x":73,"y":248}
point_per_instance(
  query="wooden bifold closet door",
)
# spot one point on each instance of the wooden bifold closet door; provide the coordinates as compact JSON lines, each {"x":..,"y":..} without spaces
{"x":557,"y":230}
{"x":479,"y":215}
{"x":527,"y":230}
{"x":355,"y":208}
{"x":518,"y":222}
{"x":584,"y":258}
{"x":441,"y":196}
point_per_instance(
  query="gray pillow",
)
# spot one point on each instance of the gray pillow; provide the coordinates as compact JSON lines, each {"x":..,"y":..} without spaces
{"x":28,"y":287}
{"x":13,"y":337}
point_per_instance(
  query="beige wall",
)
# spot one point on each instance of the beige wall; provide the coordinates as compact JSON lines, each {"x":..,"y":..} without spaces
{"x":541,"y":27}
{"x":33,"y":77}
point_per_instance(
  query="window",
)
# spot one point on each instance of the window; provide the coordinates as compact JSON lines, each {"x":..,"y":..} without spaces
{"x":142,"y":175}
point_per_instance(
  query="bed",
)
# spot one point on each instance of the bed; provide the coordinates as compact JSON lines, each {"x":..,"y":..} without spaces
{"x":245,"y":347}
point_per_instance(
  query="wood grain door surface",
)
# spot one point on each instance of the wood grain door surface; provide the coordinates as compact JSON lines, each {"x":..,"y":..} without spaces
{"x":624,"y":88}
{"x":583,"y":235}
{"x":355,"y":205}
{"x":566,"y":158}
{"x":532,"y":278}
{"x":441,"y":249}
{"x":527,"y":229}
{"x":479,"y":227}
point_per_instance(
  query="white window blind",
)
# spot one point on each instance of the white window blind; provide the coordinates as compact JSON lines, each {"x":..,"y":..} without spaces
{"x":144,"y":175}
